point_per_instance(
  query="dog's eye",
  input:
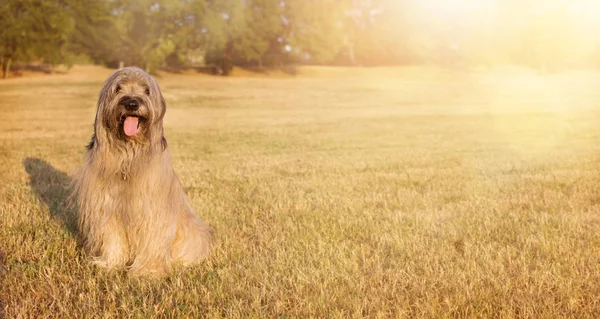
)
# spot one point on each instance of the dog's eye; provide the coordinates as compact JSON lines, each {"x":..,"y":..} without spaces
{"x":147,"y":91}
{"x":118,"y":89}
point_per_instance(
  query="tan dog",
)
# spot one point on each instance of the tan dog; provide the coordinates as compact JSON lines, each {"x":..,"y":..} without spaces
{"x":132,"y":209}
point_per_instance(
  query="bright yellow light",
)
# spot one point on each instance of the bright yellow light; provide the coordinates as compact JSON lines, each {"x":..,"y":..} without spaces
{"x":550,"y":31}
{"x":454,"y":9}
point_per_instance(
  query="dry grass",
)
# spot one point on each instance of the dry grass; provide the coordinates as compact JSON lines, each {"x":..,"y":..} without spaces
{"x":380,"y":193}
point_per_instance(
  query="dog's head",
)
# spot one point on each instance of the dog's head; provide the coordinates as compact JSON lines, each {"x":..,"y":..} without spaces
{"x":131,"y":106}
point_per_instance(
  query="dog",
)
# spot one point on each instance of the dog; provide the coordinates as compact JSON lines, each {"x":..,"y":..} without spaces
{"x":132,"y":210}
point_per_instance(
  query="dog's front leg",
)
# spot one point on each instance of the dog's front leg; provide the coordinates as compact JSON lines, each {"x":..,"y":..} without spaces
{"x":151,"y":253}
{"x":114,"y":251}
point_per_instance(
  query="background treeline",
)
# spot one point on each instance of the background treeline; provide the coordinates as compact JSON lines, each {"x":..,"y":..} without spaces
{"x":275,"y":33}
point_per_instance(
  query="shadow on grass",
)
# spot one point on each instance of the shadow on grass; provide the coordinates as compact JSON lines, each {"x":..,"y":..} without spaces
{"x":51,"y":186}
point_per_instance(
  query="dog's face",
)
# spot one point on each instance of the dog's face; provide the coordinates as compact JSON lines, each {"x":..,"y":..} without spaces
{"x":131,"y":106}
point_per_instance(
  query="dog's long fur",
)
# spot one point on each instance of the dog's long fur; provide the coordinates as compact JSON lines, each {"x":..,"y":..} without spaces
{"x":132,"y":209}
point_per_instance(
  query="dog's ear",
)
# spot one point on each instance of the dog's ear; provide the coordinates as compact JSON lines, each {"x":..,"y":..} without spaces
{"x":163,"y":106}
{"x":161,"y":101}
{"x":164,"y":143}
{"x":162,"y":109}
{"x":99,"y":117}
{"x":92,"y":142}
{"x":106,"y":94}
{"x":100,"y":108}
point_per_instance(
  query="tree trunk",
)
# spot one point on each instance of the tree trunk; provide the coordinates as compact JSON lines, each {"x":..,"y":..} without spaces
{"x":351,"y":54}
{"x":6,"y":67}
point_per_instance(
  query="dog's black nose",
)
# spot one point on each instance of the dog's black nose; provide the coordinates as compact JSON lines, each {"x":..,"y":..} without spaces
{"x":130,"y":104}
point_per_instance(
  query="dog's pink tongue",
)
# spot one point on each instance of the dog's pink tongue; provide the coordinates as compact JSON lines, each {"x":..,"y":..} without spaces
{"x":130,"y":125}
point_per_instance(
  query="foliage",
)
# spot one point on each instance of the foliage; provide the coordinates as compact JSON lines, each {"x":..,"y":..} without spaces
{"x":257,"y":33}
{"x":96,"y":34}
{"x":34,"y":29}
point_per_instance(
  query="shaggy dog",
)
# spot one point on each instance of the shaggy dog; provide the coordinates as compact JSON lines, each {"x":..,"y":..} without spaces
{"x":132,"y":209}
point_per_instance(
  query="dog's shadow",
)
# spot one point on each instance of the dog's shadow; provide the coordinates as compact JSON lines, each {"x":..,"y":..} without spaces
{"x":51,"y":186}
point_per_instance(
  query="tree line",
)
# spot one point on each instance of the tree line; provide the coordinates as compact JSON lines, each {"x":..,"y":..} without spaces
{"x":274,"y":33}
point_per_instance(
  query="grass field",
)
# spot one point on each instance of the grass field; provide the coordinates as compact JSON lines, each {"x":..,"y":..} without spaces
{"x":337,"y":194}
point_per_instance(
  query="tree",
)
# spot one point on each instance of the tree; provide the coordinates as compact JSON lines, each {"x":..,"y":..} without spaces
{"x":146,"y":30}
{"x":253,"y":26}
{"x":33,"y":29}
{"x":314,"y":30}
{"x":96,"y":34}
